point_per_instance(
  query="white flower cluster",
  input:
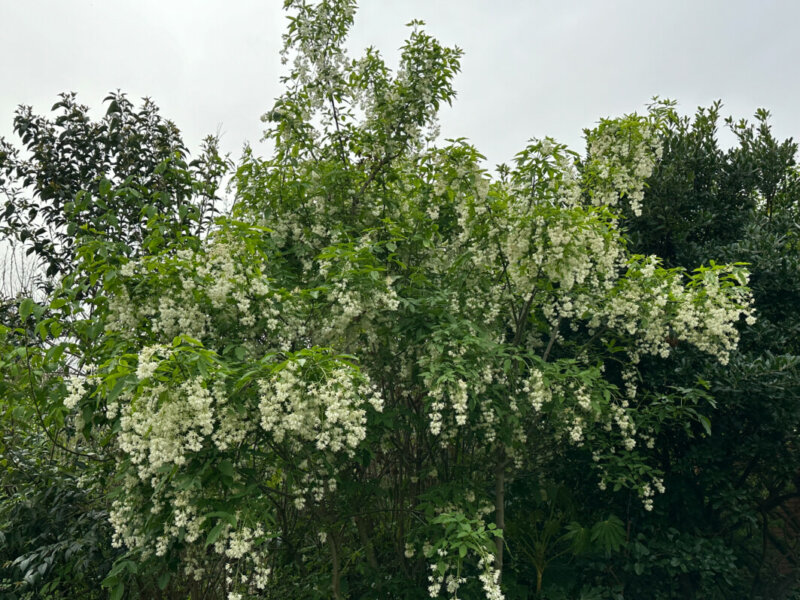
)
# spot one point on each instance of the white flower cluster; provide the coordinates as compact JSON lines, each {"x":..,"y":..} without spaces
{"x":233,"y":426}
{"x":622,"y":154}
{"x":435,"y":415}
{"x":459,"y":398}
{"x":451,"y":582}
{"x":198,"y":294}
{"x":647,"y":492}
{"x":490,"y":578}
{"x":536,"y":390}
{"x":622,"y":418}
{"x":147,"y":366}
{"x":330,"y":413}
{"x":657,"y":307}
{"x":76,"y":388}
{"x":164,"y":426}
{"x":239,"y":542}
{"x":350,"y":301}
{"x":458,"y":394}
{"x":463,"y":404}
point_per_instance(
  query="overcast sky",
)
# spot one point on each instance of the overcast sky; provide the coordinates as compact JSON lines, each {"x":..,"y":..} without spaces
{"x":531,"y":68}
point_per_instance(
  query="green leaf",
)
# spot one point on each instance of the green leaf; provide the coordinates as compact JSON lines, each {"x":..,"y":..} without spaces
{"x":117,"y":389}
{"x":54,"y":353}
{"x":226,"y":468}
{"x":163,"y":580}
{"x":609,"y":534}
{"x":56,"y":328}
{"x":705,"y":422}
{"x":215,"y":532}
{"x":122,"y":565}
{"x":117,"y":592}
{"x":25,"y":309}
{"x":223,"y":515}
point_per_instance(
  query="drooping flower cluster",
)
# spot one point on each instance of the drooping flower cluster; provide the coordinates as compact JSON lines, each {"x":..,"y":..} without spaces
{"x":622,"y":154}
{"x":164,"y":426}
{"x":329,"y":414}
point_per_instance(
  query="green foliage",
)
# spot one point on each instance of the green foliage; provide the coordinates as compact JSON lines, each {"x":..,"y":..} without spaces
{"x":384,"y":373}
{"x":729,"y":519}
{"x":124,"y":178}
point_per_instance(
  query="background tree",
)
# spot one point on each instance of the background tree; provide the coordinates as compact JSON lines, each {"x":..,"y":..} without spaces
{"x":125,"y":179}
{"x":114,"y":178}
{"x":728,"y":528}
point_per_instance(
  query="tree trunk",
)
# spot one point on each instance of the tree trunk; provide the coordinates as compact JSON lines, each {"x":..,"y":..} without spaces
{"x":369,"y":550}
{"x":336,"y":576}
{"x":500,"y":509}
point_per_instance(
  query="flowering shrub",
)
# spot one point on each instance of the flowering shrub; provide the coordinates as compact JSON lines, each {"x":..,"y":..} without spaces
{"x":370,"y":347}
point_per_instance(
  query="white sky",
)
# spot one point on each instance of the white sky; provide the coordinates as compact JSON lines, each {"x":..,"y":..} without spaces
{"x":531,"y":68}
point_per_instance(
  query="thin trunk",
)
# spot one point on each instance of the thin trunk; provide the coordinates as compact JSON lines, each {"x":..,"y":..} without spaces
{"x":369,"y":550}
{"x":500,"y":510}
{"x":336,"y":583}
